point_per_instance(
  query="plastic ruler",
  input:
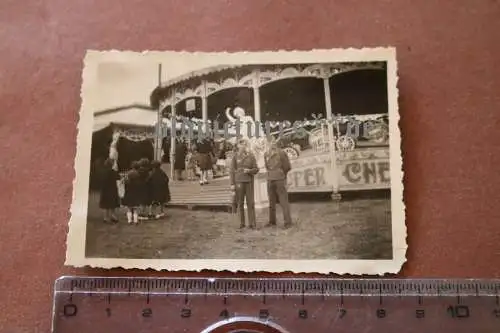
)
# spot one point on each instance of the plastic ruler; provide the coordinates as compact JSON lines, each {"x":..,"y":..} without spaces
{"x":275,"y":305}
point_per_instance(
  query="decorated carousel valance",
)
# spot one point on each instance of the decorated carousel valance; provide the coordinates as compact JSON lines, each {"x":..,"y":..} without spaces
{"x":133,"y":133}
{"x":211,"y":80}
{"x":136,"y":136}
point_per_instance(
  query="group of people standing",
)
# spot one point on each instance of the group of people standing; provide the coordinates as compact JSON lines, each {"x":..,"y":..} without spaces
{"x":146,"y":191}
{"x":197,"y":158}
{"x":244,"y":168}
{"x":146,"y":185}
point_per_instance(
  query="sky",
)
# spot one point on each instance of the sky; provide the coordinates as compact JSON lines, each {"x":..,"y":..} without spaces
{"x":113,"y":78}
{"x":124,"y":84}
{"x":128,"y":78}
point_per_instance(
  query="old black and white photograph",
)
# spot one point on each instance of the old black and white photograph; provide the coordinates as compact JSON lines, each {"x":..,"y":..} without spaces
{"x":248,"y":161}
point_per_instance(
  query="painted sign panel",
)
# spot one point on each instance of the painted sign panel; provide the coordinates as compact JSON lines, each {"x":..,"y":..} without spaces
{"x":364,"y":169}
{"x":190,"y":105}
{"x":311,"y":178}
{"x":356,"y":170}
{"x":310,"y":174}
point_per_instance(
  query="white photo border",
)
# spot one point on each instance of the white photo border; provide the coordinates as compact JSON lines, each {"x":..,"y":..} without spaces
{"x":75,"y":252}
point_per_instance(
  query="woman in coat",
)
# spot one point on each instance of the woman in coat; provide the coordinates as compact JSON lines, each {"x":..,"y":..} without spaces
{"x":180,"y":158}
{"x":205,"y":156}
{"x":144,"y":171}
{"x":159,"y":191}
{"x":109,"y":199}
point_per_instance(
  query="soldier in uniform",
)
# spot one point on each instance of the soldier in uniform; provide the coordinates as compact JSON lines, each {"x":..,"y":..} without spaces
{"x":243,"y":169}
{"x":278,"y":166}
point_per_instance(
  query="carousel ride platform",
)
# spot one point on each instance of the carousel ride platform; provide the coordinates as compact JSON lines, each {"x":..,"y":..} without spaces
{"x":190,"y":194}
{"x":366,"y":168}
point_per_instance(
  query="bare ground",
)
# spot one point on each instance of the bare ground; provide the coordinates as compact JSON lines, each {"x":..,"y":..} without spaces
{"x":352,"y":229}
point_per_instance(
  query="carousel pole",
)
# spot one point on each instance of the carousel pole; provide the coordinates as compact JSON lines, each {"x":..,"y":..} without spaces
{"x":256,"y":98}
{"x":204,"y":106}
{"x":158,"y":134}
{"x":173,"y":134}
{"x":331,"y":139}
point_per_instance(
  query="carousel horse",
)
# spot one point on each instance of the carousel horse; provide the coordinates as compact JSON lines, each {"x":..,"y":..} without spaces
{"x":248,"y":128}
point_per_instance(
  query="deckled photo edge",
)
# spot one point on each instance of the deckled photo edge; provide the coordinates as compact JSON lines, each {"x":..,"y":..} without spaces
{"x":75,"y":254}
{"x":398,"y":207}
{"x":76,"y":236}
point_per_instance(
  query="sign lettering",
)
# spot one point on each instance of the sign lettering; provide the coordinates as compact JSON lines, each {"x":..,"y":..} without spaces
{"x":364,"y":172}
{"x":308,"y":177}
{"x":355,"y":170}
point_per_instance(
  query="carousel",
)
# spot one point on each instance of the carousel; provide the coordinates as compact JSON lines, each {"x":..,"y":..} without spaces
{"x":333,"y":147}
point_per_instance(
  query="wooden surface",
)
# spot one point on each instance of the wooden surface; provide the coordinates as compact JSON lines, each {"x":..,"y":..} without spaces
{"x":450,"y":103}
{"x":216,"y":193}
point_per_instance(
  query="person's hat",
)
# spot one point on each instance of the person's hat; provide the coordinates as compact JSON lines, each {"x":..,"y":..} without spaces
{"x":143,"y":162}
{"x":135,"y":165}
{"x":109,"y":162}
{"x":133,"y":174}
{"x":243,"y":142}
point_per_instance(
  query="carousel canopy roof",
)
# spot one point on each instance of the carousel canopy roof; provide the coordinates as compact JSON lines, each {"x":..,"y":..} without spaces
{"x":134,"y":115}
{"x":213,"y":74}
{"x":194,"y":79}
{"x":199,"y":73}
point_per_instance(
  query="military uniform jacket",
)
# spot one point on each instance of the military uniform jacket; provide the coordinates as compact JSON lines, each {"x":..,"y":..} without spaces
{"x":240,"y":162}
{"x":277,"y":164}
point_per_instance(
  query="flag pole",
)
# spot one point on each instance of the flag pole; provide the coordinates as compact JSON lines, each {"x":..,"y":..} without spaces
{"x":158,"y":136}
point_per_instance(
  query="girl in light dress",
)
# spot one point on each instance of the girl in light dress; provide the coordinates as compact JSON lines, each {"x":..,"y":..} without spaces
{"x":191,"y":164}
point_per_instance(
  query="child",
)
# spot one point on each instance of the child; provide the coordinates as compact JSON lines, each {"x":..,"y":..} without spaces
{"x":222,"y":155}
{"x":144,"y":170}
{"x":204,"y":157}
{"x":109,"y":199}
{"x":132,"y":197}
{"x":191,"y":164}
{"x":159,"y":190}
